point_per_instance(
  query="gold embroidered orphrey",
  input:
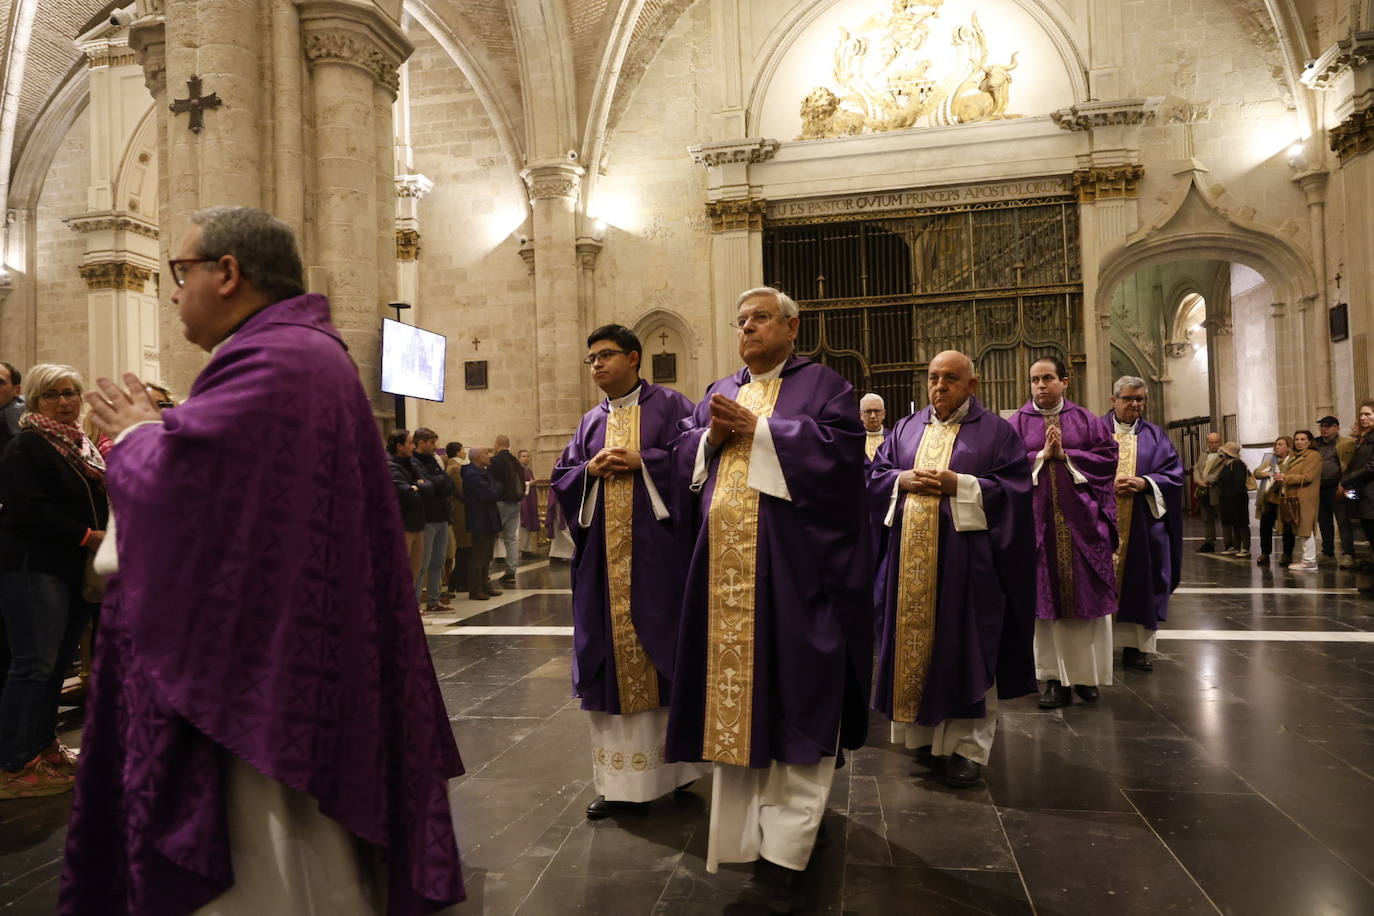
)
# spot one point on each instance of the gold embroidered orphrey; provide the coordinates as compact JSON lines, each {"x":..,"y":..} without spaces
{"x":1125,"y":503}
{"x":734,"y":542}
{"x":635,"y":676}
{"x":871,"y":443}
{"x":1063,"y":540}
{"x":916,"y":592}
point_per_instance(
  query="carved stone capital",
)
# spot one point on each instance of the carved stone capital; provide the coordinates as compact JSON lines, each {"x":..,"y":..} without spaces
{"x":1355,"y":50}
{"x":354,"y":34}
{"x":527,"y":252}
{"x":1354,"y":135}
{"x":106,"y":52}
{"x":553,"y":180}
{"x":414,"y":187}
{"x":735,"y":214}
{"x":587,"y":251}
{"x":115,"y":275}
{"x":1106,"y":182}
{"x":753,"y":149}
{"x":1176,"y":349}
{"x":1118,"y":113}
{"x":1313,"y":185}
{"x":110,"y":221}
{"x":407,"y":244}
{"x":148,"y":41}
{"x":1220,"y":326}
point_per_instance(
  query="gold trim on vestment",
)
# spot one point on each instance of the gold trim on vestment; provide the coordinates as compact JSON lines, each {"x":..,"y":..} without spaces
{"x":916,"y":580}
{"x":635,"y":676}
{"x":1063,"y":539}
{"x":1125,"y":503}
{"x":733,"y":543}
{"x":871,"y":443}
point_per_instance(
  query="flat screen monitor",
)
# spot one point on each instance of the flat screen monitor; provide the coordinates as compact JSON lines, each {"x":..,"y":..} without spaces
{"x":412,"y":361}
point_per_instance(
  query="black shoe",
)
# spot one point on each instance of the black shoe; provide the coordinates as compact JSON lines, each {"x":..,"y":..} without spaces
{"x":492,"y":592}
{"x":926,"y":759}
{"x":960,"y":772}
{"x":1207,"y":548}
{"x":1134,"y":658}
{"x":822,"y":838}
{"x":774,"y":889}
{"x":508,"y":578}
{"x":1085,"y":693}
{"x":1055,"y":696}
{"x":600,"y":808}
{"x":1263,"y":560}
{"x":477,"y":596}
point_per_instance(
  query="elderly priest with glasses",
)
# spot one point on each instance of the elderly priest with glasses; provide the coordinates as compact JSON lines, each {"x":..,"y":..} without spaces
{"x":775,"y":651}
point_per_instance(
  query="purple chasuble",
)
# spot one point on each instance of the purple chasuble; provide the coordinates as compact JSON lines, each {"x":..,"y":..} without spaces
{"x":655,"y":568}
{"x":985,"y":604}
{"x":263,"y":608}
{"x":554,"y":521}
{"x":1077,"y":533}
{"x":1154,"y":550}
{"x":813,"y":630}
{"x":529,"y":504}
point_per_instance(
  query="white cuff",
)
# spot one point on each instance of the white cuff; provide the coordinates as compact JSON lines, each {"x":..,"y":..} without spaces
{"x":699,"y":470}
{"x":1078,"y":478}
{"x":107,"y":554}
{"x":967,"y":508}
{"x":591,"y":489}
{"x":660,"y":510}
{"x":892,"y":503}
{"x":1035,"y":469}
{"x":765,"y":473}
{"x":124,"y":432}
{"x":1155,"y":498}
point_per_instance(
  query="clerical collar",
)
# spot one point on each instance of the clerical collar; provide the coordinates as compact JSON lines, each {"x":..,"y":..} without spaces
{"x":957,"y":417}
{"x":770,"y":374}
{"x":1125,"y":427}
{"x":630,"y":399}
{"x":1048,"y":411}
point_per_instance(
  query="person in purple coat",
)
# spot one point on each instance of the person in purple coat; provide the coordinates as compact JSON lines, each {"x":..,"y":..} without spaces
{"x":775,"y":652}
{"x":950,"y":495}
{"x":1073,"y":471}
{"x":264,"y":730}
{"x":1149,"y":523}
{"x":614,"y":483}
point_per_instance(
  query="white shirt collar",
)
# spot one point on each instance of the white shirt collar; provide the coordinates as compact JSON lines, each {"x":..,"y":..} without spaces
{"x":628,"y":400}
{"x":957,"y":417}
{"x":1124,"y":427}
{"x":770,"y":374}
{"x":1048,"y":411}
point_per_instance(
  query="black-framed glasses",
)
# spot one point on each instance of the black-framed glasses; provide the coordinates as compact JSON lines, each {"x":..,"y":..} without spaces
{"x":601,"y":356}
{"x":69,"y":394}
{"x":181,"y":266}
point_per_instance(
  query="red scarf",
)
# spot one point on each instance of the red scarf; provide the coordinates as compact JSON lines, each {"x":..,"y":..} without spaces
{"x":71,"y":443}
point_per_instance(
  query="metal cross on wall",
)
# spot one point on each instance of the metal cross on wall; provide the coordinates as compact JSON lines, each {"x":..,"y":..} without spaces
{"x":196,"y":104}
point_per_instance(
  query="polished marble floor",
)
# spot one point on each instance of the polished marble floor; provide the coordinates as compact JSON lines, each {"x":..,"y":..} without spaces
{"x":1238,"y":778}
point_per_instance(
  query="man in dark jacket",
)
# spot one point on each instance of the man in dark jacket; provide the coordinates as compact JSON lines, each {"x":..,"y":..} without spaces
{"x":434,"y":493}
{"x":483,"y":520}
{"x":400,"y":446}
{"x":508,"y":475}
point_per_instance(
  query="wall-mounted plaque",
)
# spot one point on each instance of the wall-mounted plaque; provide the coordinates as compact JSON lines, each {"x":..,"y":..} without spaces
{"x":475,"y":374}
{"x":1338,"y":317}
{"x":665,"y":368}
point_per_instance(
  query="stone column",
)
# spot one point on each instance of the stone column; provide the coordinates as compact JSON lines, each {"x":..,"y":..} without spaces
{"x":554,"y":186}
{"x":588,"y":249}
{"x":1313,"y":184}
{"x":353,"y":50}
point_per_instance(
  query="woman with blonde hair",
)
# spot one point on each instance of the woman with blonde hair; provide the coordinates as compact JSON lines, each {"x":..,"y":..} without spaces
{"x":52,"y":486}
{"x":1267,"y":501}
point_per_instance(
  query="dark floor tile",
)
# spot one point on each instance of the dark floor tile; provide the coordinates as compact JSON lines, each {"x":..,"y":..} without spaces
{"x":1174,"y":763}
{"x":1337,"y":807}
{"x":966,"y":836}
{"x":1038,"y":765}
{"x":628,"y":892}
{"x":933,"y":891}
{"x":1285,"y":870}
{"x":530,"y":697}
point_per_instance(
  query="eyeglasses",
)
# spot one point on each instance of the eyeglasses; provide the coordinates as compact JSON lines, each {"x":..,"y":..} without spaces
{"x":1131,"y":398}
{"x":758,"y":318}
{"x":601,"y":356}
{"x":871,"y":410}
{"x":181,"y":266}
{"x":70,"y":394}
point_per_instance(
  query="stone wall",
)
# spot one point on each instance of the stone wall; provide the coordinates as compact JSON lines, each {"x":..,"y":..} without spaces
{"x":1259,"y":381}
{"x":62,"y":323}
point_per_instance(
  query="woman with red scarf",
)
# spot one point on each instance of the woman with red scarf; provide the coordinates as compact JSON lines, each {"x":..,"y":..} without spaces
{"x":52,"y":488}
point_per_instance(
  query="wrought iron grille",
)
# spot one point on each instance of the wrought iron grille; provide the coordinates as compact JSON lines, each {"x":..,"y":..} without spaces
{"x":881,"y":297}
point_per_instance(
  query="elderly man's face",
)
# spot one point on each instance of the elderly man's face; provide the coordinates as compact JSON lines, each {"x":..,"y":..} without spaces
{"x":8,"y":390}
{"x":1329,"y":430}
{"x":481,"y":458}
{"x":765,"y":336}
{"x":1129,"y":405}
{"x":872,"y":414}
{"x":1047,"y":387}
{"x":949,"y":383}
{"x":1213,"y":442}
{"x":199,"y":303}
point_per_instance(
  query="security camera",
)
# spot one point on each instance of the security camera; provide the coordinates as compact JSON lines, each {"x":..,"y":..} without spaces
{"x":122,"y":17}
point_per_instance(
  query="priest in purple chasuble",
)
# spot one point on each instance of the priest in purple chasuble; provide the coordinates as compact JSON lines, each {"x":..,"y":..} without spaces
{"x":950,"y":495}
{"x":529,"y":506}
{"x":1149,"y":523}
{"x":1073,"y":471}
{"x":774,"y":658}
{"x":614,"y":481}
{"x":872,"y":412}
{"x":264,"y":731}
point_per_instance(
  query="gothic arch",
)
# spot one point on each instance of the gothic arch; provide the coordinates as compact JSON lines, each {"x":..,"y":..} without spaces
{"x":136,"y":179}
{"x":658,"y":321}
{"x":50,"y":129}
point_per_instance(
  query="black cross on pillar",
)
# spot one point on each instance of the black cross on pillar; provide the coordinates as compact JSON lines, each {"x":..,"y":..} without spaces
{"x":196,"y":104}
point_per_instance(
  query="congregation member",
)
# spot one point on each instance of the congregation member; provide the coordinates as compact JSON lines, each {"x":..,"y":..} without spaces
{"x":52,"y":486}
{"x":1149,"y":523}
{"x":529,"y":508}
{"x":455,"y":457}
{"x":1232,"y":483}
{"x":1073,"y":472}
{"x":1333,"y":509}
{"x":11,"y":402}
{"x":400,"y":447}
{"x":435,"y":491}
{"x":483,"y":521}
{"x":872,"y":411}
{"x":1359,"y":476}
{"x":950,"y":495}
{"x":264,"y":730}
{"x":508,"y":476}
{"x":1298,"y":499}
{"x":1205,"y":471}
{"x":615,"y":480}
{"x":775,"y":650}
{"x":1267,"y":499}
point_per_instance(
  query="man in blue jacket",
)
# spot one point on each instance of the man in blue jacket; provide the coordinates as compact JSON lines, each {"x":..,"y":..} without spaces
{"x":484,"y":522}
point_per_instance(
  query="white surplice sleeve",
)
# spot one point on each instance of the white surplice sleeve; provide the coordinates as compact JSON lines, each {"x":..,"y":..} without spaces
{"x":765,"y":473}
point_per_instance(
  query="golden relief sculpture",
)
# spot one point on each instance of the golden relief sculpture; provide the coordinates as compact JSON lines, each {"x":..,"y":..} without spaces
{"x":884,"y":82}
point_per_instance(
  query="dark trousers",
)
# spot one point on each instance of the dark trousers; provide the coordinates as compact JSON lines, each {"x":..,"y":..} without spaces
{"x":1335,"y":507}
{"x":479,"y":561}
{"x":458,"y":579}
{"x":1267,"y":522}
{"x":1209,"y":518}
{"x":44,"y":619}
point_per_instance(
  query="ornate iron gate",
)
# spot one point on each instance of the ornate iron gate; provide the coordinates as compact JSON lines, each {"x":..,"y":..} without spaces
{"x":880,"y":297}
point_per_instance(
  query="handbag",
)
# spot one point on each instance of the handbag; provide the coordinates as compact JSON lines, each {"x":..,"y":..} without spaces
{"x":92,"y":582}
{"x":1290,"y":509}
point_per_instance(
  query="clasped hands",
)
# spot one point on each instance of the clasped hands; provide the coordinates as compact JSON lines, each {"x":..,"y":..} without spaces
{"x":1128,"y":485}
{"x":927,"y":482}
{"x":612,"y":461}
{"x":727,"y":418}
{"x":1054,"y":444}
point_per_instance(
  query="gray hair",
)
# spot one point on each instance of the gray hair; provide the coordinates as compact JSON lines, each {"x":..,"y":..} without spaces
{"x":44,"y":376}
{"x":873,"y":397}
{"x":264,"y":246}
{"x":1128,"y":381}
{"x":474,"y":453}
{"x":786,"y":305}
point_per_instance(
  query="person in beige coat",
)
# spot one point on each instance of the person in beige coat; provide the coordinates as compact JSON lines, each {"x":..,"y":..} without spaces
{"x":1302,"y":479}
